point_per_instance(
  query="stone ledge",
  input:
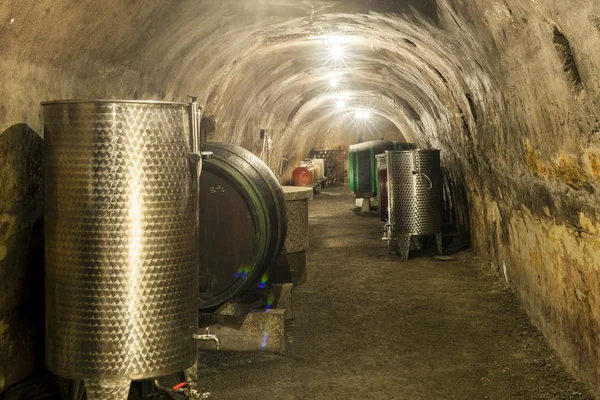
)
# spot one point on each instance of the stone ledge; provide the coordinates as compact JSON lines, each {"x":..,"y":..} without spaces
{"x":292,"y":193}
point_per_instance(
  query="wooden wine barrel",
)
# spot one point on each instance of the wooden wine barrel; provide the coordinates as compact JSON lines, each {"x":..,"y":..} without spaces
{"x":243,"y":220}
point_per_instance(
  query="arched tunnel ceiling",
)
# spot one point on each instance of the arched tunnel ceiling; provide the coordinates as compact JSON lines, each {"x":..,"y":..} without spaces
{"x":266,"y":64}
{"x":508,"y":90}
{"x":395,"y":66}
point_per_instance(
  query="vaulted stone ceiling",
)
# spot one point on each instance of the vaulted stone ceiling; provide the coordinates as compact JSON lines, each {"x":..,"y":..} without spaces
{"x":509,"y":90}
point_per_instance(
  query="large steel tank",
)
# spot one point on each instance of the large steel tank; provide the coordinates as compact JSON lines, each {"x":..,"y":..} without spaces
{"x":121,"y":254}
{"x":415,"y":195}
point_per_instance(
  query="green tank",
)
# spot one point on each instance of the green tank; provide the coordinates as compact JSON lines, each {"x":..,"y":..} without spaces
{"x":363,"y":168}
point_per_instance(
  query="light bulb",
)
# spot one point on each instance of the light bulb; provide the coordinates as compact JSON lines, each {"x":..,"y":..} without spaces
{"x":337,"y":51}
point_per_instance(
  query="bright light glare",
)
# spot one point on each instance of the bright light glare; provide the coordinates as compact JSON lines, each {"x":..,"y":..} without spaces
{"x":342,"y":96}
{"x":362,"y":115}
{"x":334,"y":82}
{"x":337,"y":51}
{"x":340,"y":104}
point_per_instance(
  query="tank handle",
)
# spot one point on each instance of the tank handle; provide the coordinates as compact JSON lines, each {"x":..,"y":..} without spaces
{"x":421,"y":174}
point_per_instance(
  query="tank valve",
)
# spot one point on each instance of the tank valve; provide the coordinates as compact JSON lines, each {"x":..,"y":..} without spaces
{"x":194,"y":158}
{"x":209,"y":337}
{"x":387,"y":232}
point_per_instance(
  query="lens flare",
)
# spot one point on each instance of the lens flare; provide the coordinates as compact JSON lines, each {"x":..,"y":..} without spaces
{"x":362,"y":115}
{"x":242,"y":272}
{"x":265,"y":339}
{"x":270,"y":301}
{"x":263,"y":281}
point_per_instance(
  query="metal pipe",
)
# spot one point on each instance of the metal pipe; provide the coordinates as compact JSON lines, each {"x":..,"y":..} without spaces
{"x":195,"y":115}
{"x":195,"y":159}
{"x":209,"y":337}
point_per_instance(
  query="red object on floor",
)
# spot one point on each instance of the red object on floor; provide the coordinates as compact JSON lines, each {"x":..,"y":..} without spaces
{"x":304,"y":176}
{"x":179,"y":386}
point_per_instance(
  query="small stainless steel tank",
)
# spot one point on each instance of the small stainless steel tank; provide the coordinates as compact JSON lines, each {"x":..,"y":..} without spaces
{"x":415,"y":196}
{"x":121,"y":258}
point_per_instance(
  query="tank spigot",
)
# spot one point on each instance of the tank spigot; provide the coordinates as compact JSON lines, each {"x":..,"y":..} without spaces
{"x":209,"y":337}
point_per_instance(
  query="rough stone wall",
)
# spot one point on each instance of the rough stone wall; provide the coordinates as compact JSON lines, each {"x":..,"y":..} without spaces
{"x":535,"y":209}
{"x":21,"y":254}
{"x":509,"y":90}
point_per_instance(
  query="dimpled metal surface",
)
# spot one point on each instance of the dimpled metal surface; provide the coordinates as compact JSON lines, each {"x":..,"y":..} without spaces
{"x":414,"y":207}
{"x":121,"y":275}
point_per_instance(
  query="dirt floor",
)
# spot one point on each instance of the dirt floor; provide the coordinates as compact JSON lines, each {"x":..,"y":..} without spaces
{"x":369,"y":326}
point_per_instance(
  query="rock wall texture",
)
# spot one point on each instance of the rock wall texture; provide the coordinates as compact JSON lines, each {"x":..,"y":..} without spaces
{"x":21,"y":254}
{"x":509,"y":90}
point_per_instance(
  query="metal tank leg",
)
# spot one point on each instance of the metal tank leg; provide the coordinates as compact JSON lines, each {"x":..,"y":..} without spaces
{"x":191,"y":377}
{"x":416,"y":242}
{"x":387,"y":236}
{"x":107,"y":389}
{"x":438,"y":240}
{"x":404,"y":246}
{"x":70,"y":389}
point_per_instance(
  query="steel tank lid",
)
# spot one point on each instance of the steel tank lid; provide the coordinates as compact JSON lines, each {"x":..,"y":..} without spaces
{"x":111,"y":101}
{"x":415,"y":150}
{"x":370,"y":144}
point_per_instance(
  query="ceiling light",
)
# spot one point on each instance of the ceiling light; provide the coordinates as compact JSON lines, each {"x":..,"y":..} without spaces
{"x":362,"y":115}
{"x":340,"y":104}
{"x":334,"y":82}
{"x":341,"y":96}
{"x":337,"y":51}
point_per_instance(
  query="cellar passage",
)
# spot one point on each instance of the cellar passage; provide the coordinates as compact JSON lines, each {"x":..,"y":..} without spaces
{"x":508,"y":91}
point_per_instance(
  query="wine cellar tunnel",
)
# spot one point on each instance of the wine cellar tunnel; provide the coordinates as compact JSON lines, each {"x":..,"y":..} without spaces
{"x":507,"y":91}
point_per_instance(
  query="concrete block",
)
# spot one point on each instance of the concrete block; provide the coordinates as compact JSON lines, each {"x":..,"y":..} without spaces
{"x":365,"y":204}
{"x":296,"y":199}
{"x":283,"y":299}
{"x":289,"y":268}
{"x":236,"y":309}
{"x":260,"y":330}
